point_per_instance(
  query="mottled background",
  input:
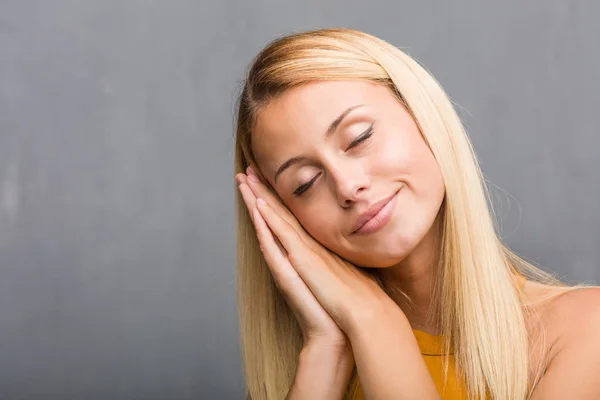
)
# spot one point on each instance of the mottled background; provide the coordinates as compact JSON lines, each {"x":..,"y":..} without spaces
{"x":116,"y":177}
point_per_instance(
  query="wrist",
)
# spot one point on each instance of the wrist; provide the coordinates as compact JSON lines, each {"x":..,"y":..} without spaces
{"x":321,"y":349}
{"x":368,"y":319}
{"x":323,"y":372}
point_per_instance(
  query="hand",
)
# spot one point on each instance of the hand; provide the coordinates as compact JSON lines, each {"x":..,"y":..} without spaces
{"x":327,"y":292}
{"x":318,"y":328}
{"x":323,"y":289}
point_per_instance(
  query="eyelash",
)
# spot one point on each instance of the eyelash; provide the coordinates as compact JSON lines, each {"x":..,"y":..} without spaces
{"x":359,"y":140}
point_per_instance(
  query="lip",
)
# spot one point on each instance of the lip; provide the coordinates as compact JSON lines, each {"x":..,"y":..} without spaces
{"x":376,"y":216}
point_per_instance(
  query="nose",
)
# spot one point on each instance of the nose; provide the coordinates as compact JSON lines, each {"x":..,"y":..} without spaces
{"x":351,"y":183}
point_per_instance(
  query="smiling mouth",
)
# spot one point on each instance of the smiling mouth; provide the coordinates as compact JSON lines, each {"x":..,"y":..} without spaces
{"x":379,"y":216}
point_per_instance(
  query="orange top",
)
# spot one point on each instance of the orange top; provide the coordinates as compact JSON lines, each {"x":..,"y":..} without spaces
{"x":433,"y":354}
{"x":432,"y":349}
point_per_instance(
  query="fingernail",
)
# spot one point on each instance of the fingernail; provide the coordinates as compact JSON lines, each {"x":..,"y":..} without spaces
{"x":260,"y":202}
{"x":238,"y":178}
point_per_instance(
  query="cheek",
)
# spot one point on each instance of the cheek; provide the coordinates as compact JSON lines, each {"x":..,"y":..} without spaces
{"x":429,"y":182}
{"x":318,"y":224}
{"x":393,"y":155}
{"x":408,"y":157}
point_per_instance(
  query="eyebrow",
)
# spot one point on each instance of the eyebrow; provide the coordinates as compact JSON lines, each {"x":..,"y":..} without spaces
{"x":334,"y":125}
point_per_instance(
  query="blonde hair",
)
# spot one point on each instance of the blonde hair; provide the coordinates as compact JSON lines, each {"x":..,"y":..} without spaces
{"x":482,"y":310}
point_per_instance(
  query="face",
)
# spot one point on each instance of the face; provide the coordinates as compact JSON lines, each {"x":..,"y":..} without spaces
{"x":349,"y":161}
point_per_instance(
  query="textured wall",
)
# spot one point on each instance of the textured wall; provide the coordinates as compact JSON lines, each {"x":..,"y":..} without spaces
{"x":116,"y":184}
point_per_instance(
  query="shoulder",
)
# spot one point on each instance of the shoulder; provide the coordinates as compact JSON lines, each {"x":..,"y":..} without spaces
{"x":568,"y":314}
{"x":575,"y":311}
{"x":572,"y":321}
{"x":558,"y":305}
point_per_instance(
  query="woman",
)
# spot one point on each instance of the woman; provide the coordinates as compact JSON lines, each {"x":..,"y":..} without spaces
{"x":368,"y":261}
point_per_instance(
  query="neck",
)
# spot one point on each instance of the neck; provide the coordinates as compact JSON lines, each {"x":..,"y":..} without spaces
{"x":411,"y":282}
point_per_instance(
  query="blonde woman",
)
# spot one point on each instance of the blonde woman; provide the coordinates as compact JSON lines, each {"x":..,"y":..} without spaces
{"x":369,"y":265}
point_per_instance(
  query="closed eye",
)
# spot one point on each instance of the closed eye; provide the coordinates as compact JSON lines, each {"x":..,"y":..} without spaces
{"x":305,"y":186}
{"x":361,"y":138}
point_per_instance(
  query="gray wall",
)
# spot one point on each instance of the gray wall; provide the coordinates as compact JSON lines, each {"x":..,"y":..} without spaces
{"x":116,"y":187}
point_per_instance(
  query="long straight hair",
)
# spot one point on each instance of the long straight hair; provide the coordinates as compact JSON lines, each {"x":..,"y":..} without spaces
{"x":482,"y":309}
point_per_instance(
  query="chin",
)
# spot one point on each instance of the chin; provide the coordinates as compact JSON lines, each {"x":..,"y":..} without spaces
{"x":377,"y":259}
{"x":387,"y":252}
{"x":379,"y":263}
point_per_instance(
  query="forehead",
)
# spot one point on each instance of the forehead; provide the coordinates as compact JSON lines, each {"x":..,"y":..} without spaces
{"x":316,"y":103}
{"x":304,"y":113}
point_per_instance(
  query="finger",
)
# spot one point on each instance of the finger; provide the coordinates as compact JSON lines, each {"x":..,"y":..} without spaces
{"x":303,"y":303}
{"x":278,"y":263}
{"x":261,"y":190}
{"x":250,"y":200}
{"x":281,"y":229}
{"x":258,"y":184}
{"x":323,"y":283}
{"x":240,"y":178}
{"x":248,"y":197}
{"x":300,"y":255}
